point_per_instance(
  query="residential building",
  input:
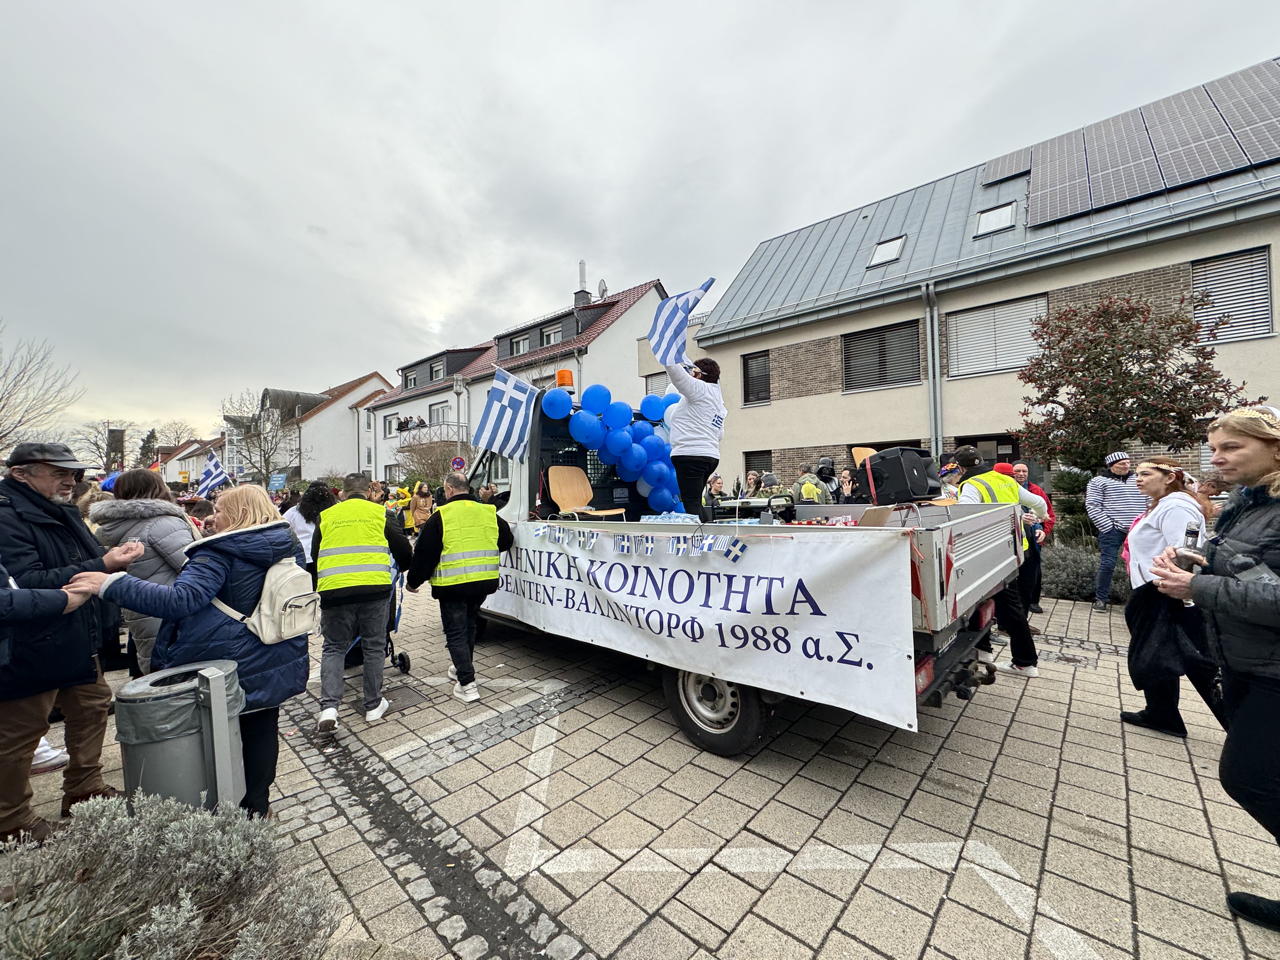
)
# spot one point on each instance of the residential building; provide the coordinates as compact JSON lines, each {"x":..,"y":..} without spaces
{"x":191,"y":459}
{"x":171,"y":457}
{"x":441,"y":397}
{"x":907,"y":320}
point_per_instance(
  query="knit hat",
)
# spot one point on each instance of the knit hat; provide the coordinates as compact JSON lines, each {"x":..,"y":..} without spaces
{"x":1115,"y":457}
{"x":1005,"y":468}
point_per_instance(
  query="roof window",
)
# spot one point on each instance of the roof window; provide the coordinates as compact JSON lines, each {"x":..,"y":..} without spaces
{"x":886,"y":251}
{"x":997,"y":218}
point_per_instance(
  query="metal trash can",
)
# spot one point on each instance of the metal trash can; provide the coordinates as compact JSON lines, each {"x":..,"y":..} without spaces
{"x":179,"y":733}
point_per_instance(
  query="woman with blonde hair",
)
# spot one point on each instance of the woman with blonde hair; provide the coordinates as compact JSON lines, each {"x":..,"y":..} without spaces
{"x":1157,"y":625}
{"x":1237,"y":587}
{"x":231,"y":565}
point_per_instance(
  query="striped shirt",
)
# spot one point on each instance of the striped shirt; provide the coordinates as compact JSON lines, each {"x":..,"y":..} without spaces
{"x":1113,"y":503}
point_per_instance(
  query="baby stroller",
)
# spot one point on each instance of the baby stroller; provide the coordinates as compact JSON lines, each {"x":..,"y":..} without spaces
{"x":355,"y":653}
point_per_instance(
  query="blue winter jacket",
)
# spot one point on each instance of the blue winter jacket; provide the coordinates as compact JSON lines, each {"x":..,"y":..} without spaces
{"x":230,"y":566}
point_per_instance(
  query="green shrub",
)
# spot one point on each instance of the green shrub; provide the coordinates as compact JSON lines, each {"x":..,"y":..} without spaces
{"x":1070,"y":570}
{"x":170,"y":882}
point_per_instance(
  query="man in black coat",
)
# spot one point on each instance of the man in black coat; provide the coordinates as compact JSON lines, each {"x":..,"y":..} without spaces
{"x":51,"y":660}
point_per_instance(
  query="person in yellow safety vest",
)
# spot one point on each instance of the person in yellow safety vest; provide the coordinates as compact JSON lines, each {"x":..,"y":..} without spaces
{"x":980,"y":485}
{"x":400,"y":502}
{"x":458,"y":552}
{"x":354,"y":543}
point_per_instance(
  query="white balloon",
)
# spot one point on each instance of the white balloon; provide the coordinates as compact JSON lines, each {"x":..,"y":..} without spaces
{"x":644,"y":487}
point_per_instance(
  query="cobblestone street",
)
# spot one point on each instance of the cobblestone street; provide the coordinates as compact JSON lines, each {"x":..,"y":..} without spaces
{"x":565,"y":815}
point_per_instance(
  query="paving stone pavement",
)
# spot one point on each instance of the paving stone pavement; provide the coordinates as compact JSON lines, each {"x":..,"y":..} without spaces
{"x":566,"y":816}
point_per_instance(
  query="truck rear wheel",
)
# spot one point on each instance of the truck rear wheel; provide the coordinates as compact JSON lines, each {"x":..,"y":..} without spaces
{"x":721,"y":717}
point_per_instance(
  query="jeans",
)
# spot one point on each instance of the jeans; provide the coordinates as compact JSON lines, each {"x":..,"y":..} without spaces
{"x":259,"y":733}
{"x":1109,"y":543}
{"x":691,"y":476}
{"x":24,"y":721}
{"x":1249,"y":768}
{"x":459,"y":618}
{"x":366,"y":619}
{"x":1013,"y":621}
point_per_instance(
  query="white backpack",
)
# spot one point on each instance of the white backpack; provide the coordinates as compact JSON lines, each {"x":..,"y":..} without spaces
{"x":289,"y":606}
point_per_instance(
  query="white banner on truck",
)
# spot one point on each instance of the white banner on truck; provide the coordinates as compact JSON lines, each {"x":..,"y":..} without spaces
{"x":824,"y":617}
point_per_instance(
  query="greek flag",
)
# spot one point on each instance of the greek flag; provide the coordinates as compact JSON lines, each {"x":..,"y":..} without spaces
{"x":647,"y":543}
{"x":679,"y":546}
{"x":622,"y":543}
{"x":213,"y":477}
{"x":667,"y":335}
{"x":507,"y":417}
{"x":735,"y":550}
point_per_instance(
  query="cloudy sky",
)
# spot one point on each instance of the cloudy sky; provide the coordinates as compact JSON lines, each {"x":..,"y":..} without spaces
{"x":197,"y":199}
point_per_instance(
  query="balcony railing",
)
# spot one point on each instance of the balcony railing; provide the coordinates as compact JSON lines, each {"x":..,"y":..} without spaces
{"x":430,"y":433}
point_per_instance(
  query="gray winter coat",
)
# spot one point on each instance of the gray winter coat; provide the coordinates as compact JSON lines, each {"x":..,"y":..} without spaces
{"x":164,"y":530}
{"x":1243,"y":616}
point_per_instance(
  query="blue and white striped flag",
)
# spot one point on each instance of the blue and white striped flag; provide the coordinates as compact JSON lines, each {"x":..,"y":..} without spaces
{"x":647,"y":544}
{"x":678,"y":547}
{"x":213,"y":477}
{"x":670,"y":321}
{"x":622,"y":543}
{"x":508,"y":415}
{"x":735,"y":550}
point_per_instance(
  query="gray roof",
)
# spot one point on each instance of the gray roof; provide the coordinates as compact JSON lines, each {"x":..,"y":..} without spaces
{"x":821,"y":270}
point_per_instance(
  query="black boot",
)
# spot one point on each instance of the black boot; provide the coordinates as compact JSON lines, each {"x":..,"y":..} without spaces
{"x":1259,"y":910}
{"x":1173,"y":726}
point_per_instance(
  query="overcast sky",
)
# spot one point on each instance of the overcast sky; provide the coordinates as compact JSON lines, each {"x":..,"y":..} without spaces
{"x":200,"y":198}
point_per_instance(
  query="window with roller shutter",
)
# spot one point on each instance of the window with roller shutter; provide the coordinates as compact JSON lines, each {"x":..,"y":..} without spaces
{"x":657,"y":383}
{"x":755,"y":377}
{"x":994,"y":338}
{"x":882,"y":357}
{"x":1237,"y":288}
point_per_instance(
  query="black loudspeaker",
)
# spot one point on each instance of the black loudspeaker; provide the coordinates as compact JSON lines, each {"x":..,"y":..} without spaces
{"x":901,"y":475}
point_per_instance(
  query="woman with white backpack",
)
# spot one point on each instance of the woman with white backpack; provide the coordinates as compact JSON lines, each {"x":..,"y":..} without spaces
{"x":207,"y":614}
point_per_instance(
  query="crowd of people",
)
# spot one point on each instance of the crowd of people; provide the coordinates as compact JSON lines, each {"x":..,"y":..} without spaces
{"x":71,"y":559}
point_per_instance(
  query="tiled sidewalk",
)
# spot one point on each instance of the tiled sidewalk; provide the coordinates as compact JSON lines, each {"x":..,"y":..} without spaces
{"x":566,"y":816}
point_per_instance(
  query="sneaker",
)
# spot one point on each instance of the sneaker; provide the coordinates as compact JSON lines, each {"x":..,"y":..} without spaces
{"x":50,"y":762}
{"x":1100,"y":605}
{"x":1008,"y":666}
{"x":1036,"y":608}
{"x":376,"y":713}
{"x":328,"y":721}
{"x":106,"y":790}
{"x":469,"y":693}
{"x":453,"y":673}
{"x":986,"y":656}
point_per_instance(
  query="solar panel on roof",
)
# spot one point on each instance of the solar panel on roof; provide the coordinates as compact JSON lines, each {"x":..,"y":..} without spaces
{"x":1250,"y":103}
{"x":1122,"y":165}
{"x":1010,"y":165}
{"x":1191,"y":140}
{"x":1059,"y":179}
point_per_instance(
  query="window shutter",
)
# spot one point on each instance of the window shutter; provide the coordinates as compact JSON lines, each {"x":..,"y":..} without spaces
{"x":761,"y":461}
{"x":755,"y":377}
{"x":657,"y":383}
{"x":1238,"y":287}
{"x":882,"y":357}
{"x":992,"y":338}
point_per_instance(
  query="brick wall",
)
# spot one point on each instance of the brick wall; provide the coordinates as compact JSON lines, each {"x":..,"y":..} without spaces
{"x":1164,"y":287}
{"x":805,"y":369}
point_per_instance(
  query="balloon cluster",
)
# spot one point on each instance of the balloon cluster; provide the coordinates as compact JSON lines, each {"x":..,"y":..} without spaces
{"x":638,"y":451}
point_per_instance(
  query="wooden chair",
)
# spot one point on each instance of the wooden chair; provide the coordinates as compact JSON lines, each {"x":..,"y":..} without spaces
{"x":571,"y":490}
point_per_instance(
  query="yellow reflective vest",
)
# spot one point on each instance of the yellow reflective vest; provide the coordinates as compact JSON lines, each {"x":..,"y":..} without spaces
{"x":353,"y":546}
{"x":469,"y":550}
{"x":995,"y":487}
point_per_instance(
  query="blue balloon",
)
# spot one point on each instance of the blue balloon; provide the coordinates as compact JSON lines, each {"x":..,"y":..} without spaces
{"x":618,"y":442}
{"x":557,"y":403}
{"x":596,"y":398}
{"x":670,"y":399}
{"x":661,"y":500}
{"x":617,"y":415}
{"x":652,"y":447}
{"x":652,"y":407}
{"x":626,"y":475}
{"x":679,"y":506}
{"x":635,"y":458}
{"x":655,"y":472}
{"x":587,"y":429}
{"x":607,"y":458}
{"x":641,"y":429}
{"x":666,"y":450}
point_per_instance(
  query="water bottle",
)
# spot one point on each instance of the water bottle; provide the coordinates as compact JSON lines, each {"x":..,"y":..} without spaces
{"x":1187,"y":556}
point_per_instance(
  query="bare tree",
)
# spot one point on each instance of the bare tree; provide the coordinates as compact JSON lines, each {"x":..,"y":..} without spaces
{"x":34,"y":391}
{"x":264,"y":442}
{"x":430,"y":462}
{"x":96,"y":442}
{"x":171,"y":433}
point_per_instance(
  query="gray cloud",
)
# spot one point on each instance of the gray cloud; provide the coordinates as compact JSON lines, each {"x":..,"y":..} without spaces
{"x":198,"y":200}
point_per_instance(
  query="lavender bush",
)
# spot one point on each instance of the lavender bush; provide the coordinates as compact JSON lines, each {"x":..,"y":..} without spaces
{"x":168,"y":882}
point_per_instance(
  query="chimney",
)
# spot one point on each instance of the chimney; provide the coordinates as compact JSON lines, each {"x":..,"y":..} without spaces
{"x":582,"y":296}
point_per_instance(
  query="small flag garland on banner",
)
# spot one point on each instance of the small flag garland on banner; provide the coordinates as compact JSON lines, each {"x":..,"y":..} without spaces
{"x":678,"y":545}
{"x":622,"y":543}
{"x":647,"y":544}
{"x":735,"y":550}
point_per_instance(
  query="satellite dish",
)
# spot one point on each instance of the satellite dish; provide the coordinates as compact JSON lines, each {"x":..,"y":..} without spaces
{"x":604,"y":290}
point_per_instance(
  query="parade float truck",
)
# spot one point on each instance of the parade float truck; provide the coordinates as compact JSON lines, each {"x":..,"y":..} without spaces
{"x":874,"y":610}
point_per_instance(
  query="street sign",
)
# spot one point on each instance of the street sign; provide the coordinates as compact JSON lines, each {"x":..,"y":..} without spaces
{"x":277,"y":481}
{"x":457,"y":463}
{"x":184,"y":476}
